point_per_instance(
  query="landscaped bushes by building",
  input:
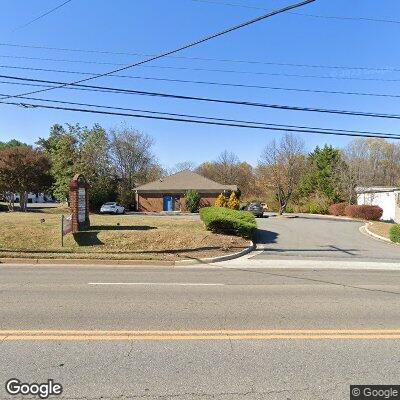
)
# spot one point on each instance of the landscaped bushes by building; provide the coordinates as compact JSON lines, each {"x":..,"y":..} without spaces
{"x":394,"y":233}
{"x":338,"y":209}
{"x":224,"y":220}
{"x":192,"y":199}
{"x":371,"y":213}
{"x":233,"y":202}
{"x":221,"y":201}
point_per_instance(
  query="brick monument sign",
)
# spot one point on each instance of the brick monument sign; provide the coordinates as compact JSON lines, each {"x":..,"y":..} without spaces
{"x":79,"y":203}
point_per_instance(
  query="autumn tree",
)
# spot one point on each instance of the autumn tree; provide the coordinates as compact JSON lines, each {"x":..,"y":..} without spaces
{"x":229,"y":170}
{"x":283,"y":164}
{"x":370,"y":162}
{"x":23,"y":170}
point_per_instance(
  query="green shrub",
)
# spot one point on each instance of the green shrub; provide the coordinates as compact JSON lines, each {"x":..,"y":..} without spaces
{"x":394,"y":233}
{"x":192,"y":199}
{"x":224,"y":220}
{"x":317,"y":208}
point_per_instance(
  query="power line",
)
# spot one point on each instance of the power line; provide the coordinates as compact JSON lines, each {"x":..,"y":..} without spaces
{"x":368,"y":19}
{"x":217,"y":123}
{"x":231,"y":71}
{"x":254,"y":62}
{"x":225,"y":101}
{"x":209,"y":118}
{"x":204,"y":69}
{"x":43,"y":15}
{"x":228,"y":84}
{"x":187,"y":46}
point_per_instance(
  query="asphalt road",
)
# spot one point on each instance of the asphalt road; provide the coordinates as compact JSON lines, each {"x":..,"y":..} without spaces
{"x":319,"y":238}
{"x":199,"y":333}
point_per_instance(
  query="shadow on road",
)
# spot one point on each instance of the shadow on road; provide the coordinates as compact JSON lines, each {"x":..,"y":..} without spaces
{"x":264,"y":237}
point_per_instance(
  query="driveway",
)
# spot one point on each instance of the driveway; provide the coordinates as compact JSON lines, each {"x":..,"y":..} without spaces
{"x":319,"y":238}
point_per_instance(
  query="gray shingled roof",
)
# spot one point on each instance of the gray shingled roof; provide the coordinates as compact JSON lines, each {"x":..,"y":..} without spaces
{"x":183,"y":181}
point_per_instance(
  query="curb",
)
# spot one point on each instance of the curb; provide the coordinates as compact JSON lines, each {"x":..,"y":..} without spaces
{"x":217,"y":259}
{"x":374,"y":235}
{"x":103,"y":262}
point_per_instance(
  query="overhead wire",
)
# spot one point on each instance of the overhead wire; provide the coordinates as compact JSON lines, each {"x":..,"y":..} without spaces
{"x":213,"y":83}
{"x":179,"y":49}
{"x":345,"y":18}
{"x":187,"y":120}
{"x":43,"y":15}
{"x":225,"y":101}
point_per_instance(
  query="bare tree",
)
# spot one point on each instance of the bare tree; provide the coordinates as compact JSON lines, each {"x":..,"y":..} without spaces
{"x":229,"y":170}
{"x":181,"y":166}
{"x":133,"y":161}
{"x":283,"y":163}
{"x":373,"y":162}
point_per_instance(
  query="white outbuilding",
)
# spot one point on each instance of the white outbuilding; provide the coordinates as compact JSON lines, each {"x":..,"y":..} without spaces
{"x":388,"y":198}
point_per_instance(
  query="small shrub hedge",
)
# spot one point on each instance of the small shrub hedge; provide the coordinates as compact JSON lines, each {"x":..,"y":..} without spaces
{"x":394,"y":233}
{"x":192,"y":200}
{"x":338,"y":209}
{"x":224,"y":220}
{"x":370,"y":213}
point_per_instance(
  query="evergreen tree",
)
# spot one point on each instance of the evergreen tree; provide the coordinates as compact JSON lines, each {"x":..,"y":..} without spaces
{"x":192,"y":199}
{"x":323,"y":176}
{"x":221,"y":201}
{"x":233,"y":202}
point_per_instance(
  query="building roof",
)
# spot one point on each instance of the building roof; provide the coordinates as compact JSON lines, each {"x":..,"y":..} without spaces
{"x":183,"y":181}
{"x":377,"y":189}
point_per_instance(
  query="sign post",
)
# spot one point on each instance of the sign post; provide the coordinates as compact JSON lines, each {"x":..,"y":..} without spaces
{"x":79,"y":203}
{"x":66,"y":227}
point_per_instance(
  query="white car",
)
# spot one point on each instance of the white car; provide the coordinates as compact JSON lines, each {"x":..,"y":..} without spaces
{"x":112,"y":208}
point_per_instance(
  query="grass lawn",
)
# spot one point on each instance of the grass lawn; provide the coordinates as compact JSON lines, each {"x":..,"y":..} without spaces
{"x":112,"y":237}
{"x":381,"y":228}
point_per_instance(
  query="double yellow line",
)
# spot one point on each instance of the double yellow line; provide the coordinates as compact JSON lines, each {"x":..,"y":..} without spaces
{"x":203,"y":335}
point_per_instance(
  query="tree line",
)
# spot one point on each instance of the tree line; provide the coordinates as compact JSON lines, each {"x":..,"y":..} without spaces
{"x":113,"y":162}
{"x":286,"y":177}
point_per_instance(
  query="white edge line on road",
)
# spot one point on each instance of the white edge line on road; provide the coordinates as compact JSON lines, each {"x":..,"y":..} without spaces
{"x":155,"y":284}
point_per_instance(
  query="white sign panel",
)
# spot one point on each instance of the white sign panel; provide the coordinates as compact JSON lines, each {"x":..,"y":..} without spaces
{"x":81,"y":205}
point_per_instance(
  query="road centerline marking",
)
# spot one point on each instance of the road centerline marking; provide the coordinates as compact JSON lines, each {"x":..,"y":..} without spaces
{"x":200,"y":335}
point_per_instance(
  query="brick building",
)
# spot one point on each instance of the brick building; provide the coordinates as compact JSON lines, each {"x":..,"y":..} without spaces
{"x":167,"y":194}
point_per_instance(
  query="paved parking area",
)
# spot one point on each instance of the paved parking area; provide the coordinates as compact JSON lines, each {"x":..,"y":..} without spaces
{"x":320,"y":238}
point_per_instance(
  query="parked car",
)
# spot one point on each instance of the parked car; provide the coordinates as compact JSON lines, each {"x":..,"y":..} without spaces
{"x":256,"y":209}
{"x":112,"y":208}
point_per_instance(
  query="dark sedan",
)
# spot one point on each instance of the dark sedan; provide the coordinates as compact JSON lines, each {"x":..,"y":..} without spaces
{"x":256,"y":209}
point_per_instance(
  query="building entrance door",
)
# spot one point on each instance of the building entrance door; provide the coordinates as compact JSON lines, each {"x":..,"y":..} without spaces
{"x":167,"y":203}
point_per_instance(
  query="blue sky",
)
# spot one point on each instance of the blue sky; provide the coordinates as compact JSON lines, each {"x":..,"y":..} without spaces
{"x":153,"y":26}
